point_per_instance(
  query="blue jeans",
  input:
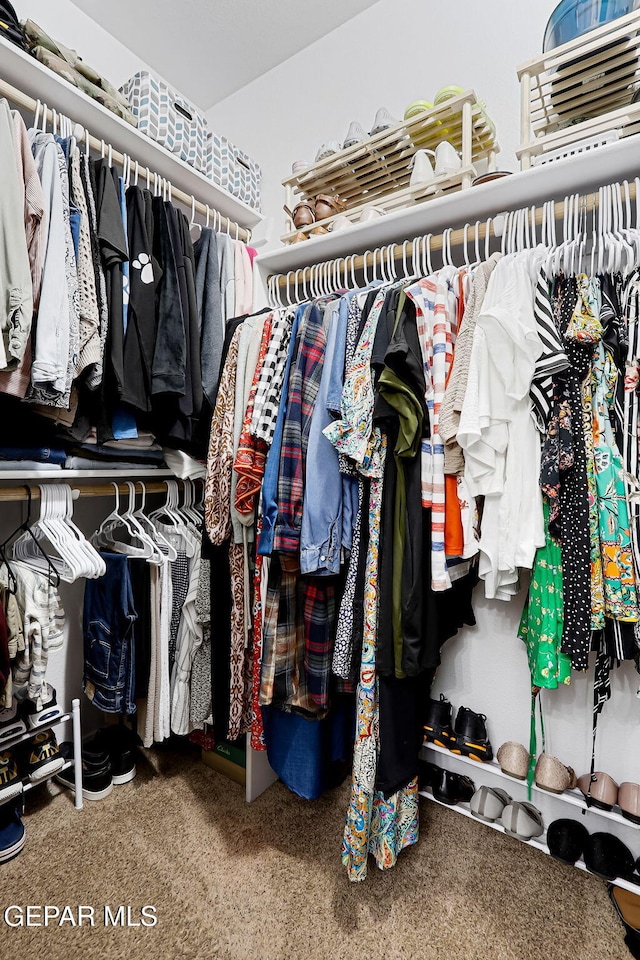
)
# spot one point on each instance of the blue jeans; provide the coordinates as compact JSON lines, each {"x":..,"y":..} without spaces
{"x":109,"y":659}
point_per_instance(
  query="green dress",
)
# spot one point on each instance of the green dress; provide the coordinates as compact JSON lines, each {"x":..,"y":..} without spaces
{"x":543,"y":616}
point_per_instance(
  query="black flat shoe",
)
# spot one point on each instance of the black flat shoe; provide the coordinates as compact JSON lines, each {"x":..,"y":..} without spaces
{"x":428,"y":774}
{"x":453,"y":788}
{"x":567,"y":840}
{"x":607,"y":857}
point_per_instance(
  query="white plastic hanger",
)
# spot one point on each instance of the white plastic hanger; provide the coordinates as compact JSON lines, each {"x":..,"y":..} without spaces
{"x":156,"y":535}
{"x":169,"y":515}
{"x":115,"y":525}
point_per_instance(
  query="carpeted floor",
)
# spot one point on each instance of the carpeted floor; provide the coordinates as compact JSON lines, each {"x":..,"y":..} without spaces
{"x":232,"y":881}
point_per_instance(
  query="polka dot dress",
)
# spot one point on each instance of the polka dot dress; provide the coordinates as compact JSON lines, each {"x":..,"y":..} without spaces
{"x":573,"y":520}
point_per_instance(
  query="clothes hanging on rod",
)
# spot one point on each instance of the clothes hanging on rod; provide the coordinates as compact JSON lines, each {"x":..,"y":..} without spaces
{"x":454,"y":426}
{"x":141,"y":631}
{"x":114,"y":316}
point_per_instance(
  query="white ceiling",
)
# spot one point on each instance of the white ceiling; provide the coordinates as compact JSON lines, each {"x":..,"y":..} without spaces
{"x":208,"y":49}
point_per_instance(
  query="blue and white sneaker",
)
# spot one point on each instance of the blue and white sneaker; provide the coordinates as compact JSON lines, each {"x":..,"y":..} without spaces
{"x":42,"y":711}
{"x":11,"y":723}
{"x":12,"y":833}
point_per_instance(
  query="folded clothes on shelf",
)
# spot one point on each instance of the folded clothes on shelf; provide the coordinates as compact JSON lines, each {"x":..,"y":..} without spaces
{"x":29,"y":465}
{"x":83,"y":463}
{"x":183,"y":465}
{"x":132,"y":454}
{"x":41,"y":454}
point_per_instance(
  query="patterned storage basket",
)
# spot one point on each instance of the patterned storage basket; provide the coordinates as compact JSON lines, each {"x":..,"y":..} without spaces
{"x":168,"y":118}
{"x":234,"y":170}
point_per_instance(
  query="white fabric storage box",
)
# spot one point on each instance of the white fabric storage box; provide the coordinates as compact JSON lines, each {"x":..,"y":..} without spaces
{"x":234,"y":170}
{"x":168,"y":118}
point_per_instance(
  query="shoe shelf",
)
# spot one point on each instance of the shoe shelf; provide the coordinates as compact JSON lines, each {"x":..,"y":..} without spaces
{"x":538,"y":843}
{"x":585,"y":172}
{"x":581,"y":89}
{"x":29,"y":784}
{"x":376,"y":171}
{"x":30,"y":734}
{"x":572,"y":797}
{"x":74,"y":716}
{"x":32,"y":78}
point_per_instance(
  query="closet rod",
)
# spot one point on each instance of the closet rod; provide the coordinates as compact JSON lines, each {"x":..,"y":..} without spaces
{"x":8,"y":494}
{"x":28,"y":103}
{"x":587,"y":203}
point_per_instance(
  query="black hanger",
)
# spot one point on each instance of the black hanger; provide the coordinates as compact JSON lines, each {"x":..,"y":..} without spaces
{"x":25,"y":527}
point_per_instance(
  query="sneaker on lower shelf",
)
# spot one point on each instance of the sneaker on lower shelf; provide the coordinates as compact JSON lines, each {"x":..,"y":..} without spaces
{"x":11,"y":723}
{"x":120,"y":742}
{"x":471,"y":739}
{"x":97,"y":782}
{"x":10,"y":779}
{"x":12,"y":832}
{"x":43,"y":757}
{"x":43,"y":710}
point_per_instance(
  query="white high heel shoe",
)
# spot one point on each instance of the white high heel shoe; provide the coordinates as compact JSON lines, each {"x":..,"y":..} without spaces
{"x":421,"y":168}
{"x":447,"y":159}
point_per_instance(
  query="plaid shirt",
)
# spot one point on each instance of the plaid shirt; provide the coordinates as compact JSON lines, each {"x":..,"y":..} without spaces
{"x":267,"y":399}
{"x":297,"y":638}
{"x":303,"y":390}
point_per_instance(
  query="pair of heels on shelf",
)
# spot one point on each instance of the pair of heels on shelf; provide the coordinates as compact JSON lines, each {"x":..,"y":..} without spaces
{"x":446,"y":162}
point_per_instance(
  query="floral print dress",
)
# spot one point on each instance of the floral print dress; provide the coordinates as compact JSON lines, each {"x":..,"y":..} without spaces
{"x":382,"y":827}
{"x":620,"y":600}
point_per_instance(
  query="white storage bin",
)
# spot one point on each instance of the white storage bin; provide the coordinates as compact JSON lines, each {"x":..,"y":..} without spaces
{"x":234,"y":170}
{"x":168,"y":118}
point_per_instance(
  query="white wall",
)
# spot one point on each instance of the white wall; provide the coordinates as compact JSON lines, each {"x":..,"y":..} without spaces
{"x":394,"y":53}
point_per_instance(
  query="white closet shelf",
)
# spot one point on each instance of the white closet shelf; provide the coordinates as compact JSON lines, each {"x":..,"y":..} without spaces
{"x":572,"y":797}
{"x":31,"y":77}
{"x":538,"y":844}
{"x":54,"y":475}
{"x":580,"y":173}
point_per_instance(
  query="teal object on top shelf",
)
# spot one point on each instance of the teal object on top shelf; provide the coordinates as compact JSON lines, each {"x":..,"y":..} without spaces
{"x":572,"y":18}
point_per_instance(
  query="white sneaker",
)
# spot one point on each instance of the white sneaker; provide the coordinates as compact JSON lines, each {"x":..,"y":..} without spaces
{"x":383,"y":120}
{"x":327,"y":150}
{"x":355,"y":135}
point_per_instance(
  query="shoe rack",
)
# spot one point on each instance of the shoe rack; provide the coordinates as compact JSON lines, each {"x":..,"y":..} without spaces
{"x":74,"y":716}
{"x":574,"y":798}
{"x":581,"y":89}
{"x":376,"y":171}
